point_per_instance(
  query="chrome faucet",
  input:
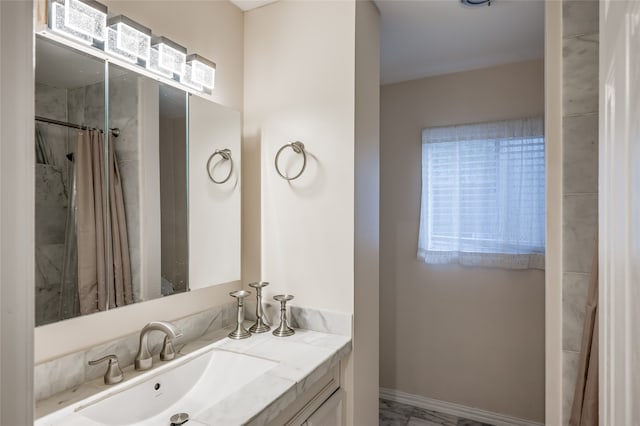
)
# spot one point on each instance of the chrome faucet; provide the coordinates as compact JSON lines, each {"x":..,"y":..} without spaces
{"x":144,"y":359}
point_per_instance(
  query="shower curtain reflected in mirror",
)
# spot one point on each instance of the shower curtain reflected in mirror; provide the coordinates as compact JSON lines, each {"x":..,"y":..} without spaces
{"x":68,"y":305}
{"x":71,"y":232}
{"x":56,"y":289}
{"x":104,"y":267}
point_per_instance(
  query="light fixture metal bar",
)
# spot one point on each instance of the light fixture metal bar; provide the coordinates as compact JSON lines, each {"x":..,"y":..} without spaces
{"x":95,"y":5}
{"x":196,"y":57}
{"x":129,"y":22}
{"x":172,"y":44}
{"x":91,"y":3}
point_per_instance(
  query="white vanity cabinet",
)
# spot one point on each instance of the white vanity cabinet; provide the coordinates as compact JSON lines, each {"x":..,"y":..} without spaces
{"x":330,"y":413}
{"x":319,"y":405}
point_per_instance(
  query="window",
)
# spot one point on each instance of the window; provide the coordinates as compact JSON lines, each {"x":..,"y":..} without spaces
{"x":483,"y":194}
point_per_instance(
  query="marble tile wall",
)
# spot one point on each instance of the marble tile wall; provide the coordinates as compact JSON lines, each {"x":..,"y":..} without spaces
{"x":322,"y":321}
{"x":51,"y":102}
{"x":580,"y":176}
{"x":51,"y":195}
{"x":310,"y":319}
{"x":123,"y":114}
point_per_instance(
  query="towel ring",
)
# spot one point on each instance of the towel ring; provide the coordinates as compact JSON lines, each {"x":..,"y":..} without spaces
{"x":226,"y":155}
{"x":298,"y":148}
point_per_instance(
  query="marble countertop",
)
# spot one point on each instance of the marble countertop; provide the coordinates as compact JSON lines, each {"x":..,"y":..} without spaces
{"x":301,"y":359}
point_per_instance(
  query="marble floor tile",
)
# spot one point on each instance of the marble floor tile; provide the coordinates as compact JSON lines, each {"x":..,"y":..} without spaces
{"x":396,"y":407}
{"x":414,"y":421}
{"x":391,"y":418}
{"x":393,"y":413}
{"x":435,"y":417}
{"x":466,"y":422}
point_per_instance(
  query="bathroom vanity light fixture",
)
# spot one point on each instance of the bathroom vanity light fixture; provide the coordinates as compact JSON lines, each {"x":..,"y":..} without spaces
{"x":86,"y":22}
{"x":203,"y":71}
{"x":153,"y":64}
{"x":128,"y":39}
{"x":171,"y":56}
{"x":82,"y":20}
{"x":187,"y":78}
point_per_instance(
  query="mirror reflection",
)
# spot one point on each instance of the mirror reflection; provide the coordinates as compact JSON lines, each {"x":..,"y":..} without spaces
{"x":111,"y":208}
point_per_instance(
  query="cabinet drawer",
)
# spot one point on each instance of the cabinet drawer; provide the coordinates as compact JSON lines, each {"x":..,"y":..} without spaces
{"x":307,"y":403}
{"x":330,"y":413}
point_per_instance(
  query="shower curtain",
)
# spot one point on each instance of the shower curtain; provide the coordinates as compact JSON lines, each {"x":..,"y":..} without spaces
{"x":584,"y":411}
{"x":99,"y":233}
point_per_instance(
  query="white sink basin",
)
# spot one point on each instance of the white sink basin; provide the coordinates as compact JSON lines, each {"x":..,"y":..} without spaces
{"x":193,"y":385}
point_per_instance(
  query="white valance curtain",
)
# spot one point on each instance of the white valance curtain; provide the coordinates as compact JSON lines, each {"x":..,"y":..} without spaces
{"x":483,"y":194}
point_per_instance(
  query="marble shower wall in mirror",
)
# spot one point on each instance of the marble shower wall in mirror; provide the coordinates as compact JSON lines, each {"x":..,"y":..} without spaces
{"x":62,"y":89}
{"x":152,"y":165}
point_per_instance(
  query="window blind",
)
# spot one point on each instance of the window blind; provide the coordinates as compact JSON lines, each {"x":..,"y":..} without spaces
{"x":483,"y":194}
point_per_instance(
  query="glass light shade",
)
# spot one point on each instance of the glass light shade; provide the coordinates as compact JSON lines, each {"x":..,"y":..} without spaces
{"x":203,"y":71}
{"x":131,"y":38}
{"x":57,"y":24}
{"x":86,"y":17}
{"x":86,"y":21}
{"x":154,"y":65}
{"x":187,"y":79}
{"x":172,"y":57}
{"x":111,"y":46}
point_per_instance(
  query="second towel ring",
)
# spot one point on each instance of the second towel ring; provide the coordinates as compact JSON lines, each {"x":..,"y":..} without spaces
{"x":226,"y":155}
{"x":298,"y":148}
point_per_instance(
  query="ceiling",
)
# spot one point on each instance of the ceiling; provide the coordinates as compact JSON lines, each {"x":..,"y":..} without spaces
{"x":432,"y":37}
{"x":250,"y":4}
{"x":421,"y":38}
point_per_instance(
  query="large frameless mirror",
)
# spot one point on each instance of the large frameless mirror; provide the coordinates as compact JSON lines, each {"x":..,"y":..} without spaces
{"x":112,"y":176}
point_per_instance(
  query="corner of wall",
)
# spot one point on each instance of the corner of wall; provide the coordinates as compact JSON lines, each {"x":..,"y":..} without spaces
{"x":365,"y":358}
{"x":17,"y":159}
{"x":553,"y":285}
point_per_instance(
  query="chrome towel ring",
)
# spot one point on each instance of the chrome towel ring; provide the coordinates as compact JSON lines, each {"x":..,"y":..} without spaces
{"x":298,"y":148}
{"x":226,"y":155}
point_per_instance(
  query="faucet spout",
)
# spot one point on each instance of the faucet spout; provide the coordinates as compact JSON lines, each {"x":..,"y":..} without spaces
{"x":165,"y":326}
{"x":144,"y":359}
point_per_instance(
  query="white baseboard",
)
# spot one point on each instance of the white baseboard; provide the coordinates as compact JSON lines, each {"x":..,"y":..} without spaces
{"x":454,"y":409}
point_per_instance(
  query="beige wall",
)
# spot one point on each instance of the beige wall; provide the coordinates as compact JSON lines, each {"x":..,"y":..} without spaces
{"x":464,"y":335}
{"x":300,"y":84}
{"x":17,"y":231}
{"x":215,"y":29}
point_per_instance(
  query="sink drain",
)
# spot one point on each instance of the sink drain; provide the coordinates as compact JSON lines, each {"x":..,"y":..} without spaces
{"x":179,"y":419}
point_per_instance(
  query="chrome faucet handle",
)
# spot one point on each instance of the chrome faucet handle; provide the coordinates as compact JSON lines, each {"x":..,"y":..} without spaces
{"x":240,"y":332}
{"x":283,"y":329}
{"x":168,"y":352}
{"x":260,"y":325}
{"x":114,"y":373}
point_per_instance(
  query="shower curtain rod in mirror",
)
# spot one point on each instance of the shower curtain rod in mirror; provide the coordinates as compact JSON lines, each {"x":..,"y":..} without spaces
{"x":115,"y":131}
